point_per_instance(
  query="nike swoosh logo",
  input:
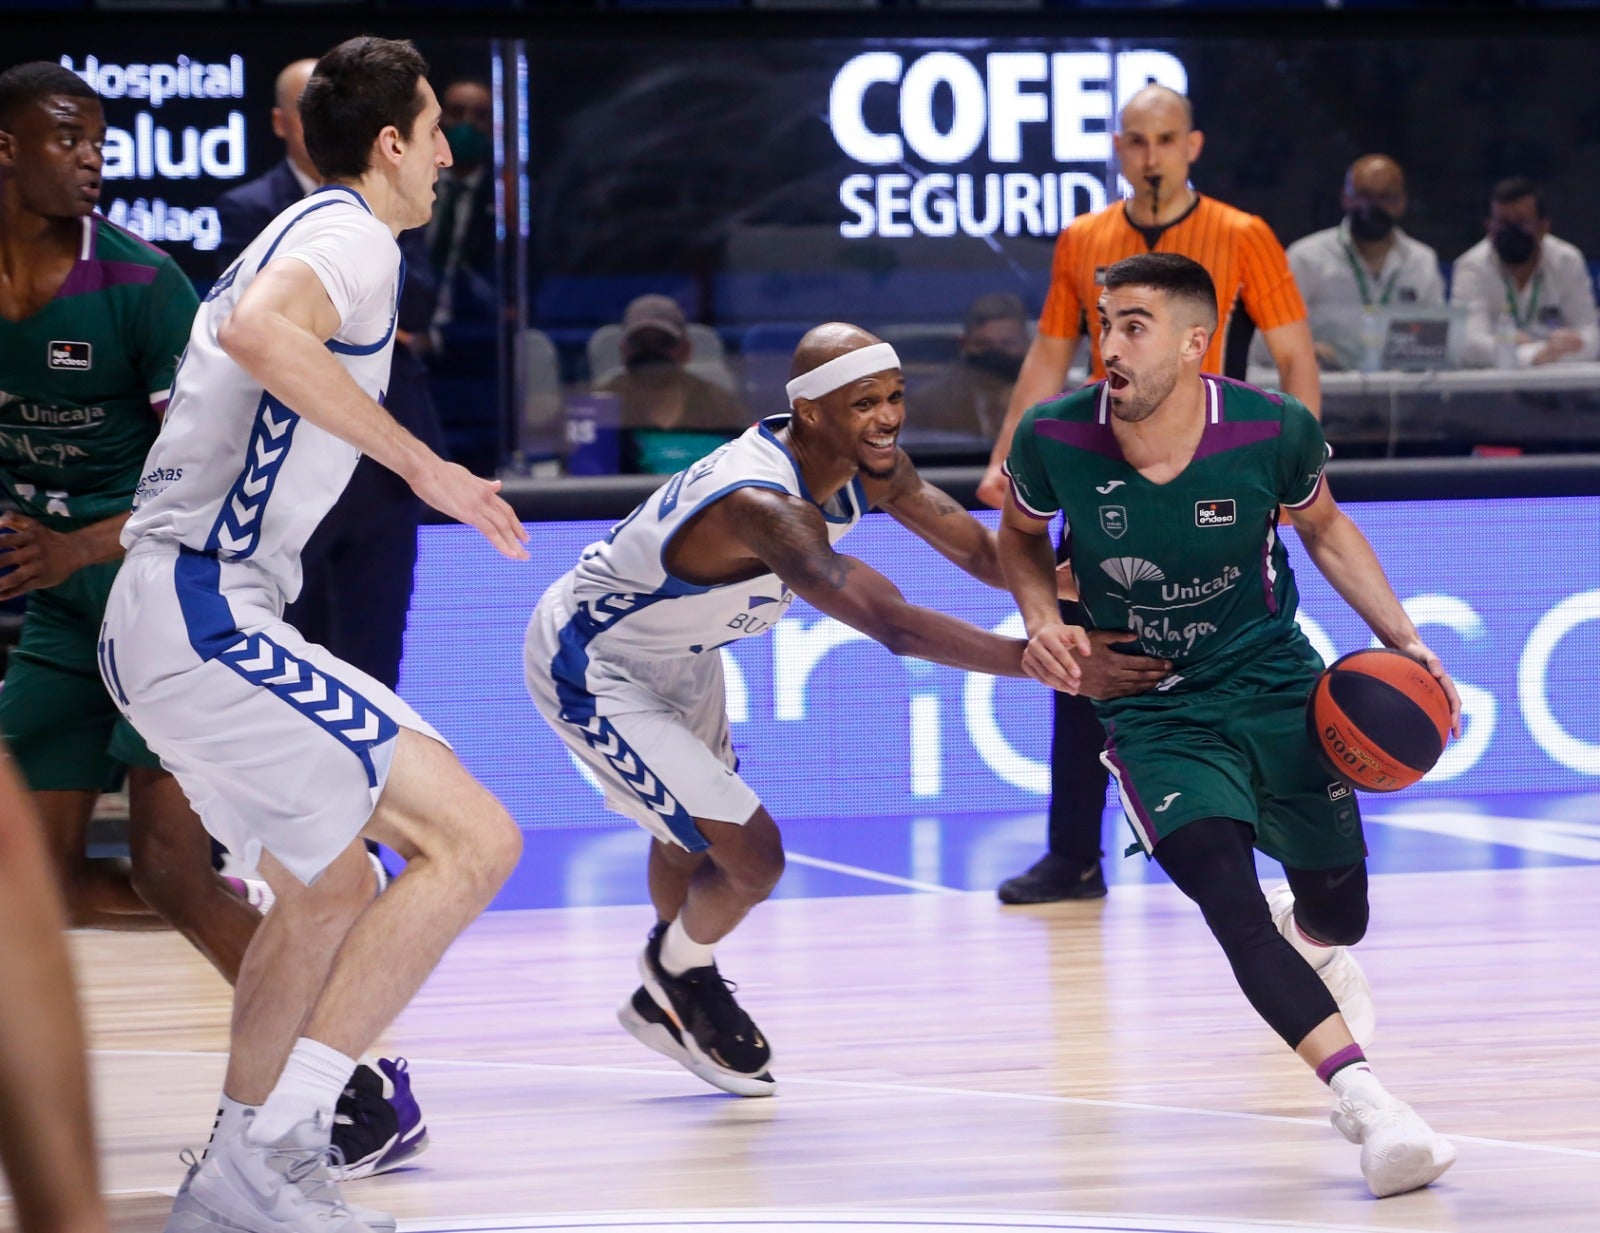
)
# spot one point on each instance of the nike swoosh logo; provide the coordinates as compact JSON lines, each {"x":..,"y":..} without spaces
{"x":1107,"y":488}
{"x":1171,"y":796}
{"x":1335,"y":881}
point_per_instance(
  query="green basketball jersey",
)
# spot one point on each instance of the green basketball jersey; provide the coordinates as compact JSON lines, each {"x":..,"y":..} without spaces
{"x":84,"y":379}
{"x":1193,"y":566}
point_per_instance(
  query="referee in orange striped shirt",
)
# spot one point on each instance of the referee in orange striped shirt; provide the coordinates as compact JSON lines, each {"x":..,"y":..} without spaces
{"x":1156,"y":144}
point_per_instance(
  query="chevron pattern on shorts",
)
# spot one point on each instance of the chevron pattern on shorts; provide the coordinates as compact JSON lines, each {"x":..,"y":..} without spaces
{"x":238,"y":527}
{"x":326,"y":701}
{"x":607,"y":741}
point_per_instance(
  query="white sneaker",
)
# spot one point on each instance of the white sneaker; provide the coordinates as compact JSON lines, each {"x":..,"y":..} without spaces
{"x":1339,"y":971}
{"x":1399,"y":1151}
{"x":281,"y":1187}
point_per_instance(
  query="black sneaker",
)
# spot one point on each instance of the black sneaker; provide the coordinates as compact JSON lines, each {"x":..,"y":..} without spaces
{"x":694,"y":1020}
{"x":377,"y":1125}
{"x":1052,"y":879}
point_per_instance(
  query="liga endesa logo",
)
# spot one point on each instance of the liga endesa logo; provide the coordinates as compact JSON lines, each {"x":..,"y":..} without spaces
{"x":916,"y":114}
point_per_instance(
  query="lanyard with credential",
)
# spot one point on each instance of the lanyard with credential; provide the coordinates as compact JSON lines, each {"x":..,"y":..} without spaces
{"x":1523,"y":321}
{"x":1361,"y":280}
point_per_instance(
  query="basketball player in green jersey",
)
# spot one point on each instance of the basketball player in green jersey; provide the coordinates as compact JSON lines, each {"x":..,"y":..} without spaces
{"x":92,"y":321}
{"x":1172,"y":482}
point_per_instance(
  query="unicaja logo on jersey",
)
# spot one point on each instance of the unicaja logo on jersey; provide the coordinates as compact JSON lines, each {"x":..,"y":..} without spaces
{"x":71,"y":356}
{"x":1129,"y":570}
{"x":1114,"y":520}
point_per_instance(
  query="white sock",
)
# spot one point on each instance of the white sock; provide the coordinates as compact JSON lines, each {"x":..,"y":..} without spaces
{"x":230,"y":1119}
{"x":313,"y":1079}
{"x":680,"y":952}
{"x":1360,"y":1083}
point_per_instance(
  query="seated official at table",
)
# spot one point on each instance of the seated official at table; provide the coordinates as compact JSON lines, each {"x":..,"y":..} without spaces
{"x":1528,"y":295}
{"x":669,"y":415}
{"x":1365,"y":265}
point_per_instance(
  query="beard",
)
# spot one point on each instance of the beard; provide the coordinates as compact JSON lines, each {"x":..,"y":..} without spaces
{"x":877,"y":473}
{"x":1143,"y":395}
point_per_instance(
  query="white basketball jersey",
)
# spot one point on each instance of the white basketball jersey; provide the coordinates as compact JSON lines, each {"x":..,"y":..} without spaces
{"x":235,"y":473}
{"x":626,"y":600}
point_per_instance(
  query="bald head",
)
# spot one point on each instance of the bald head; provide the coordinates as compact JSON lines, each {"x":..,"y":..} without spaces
{"x":1160,"y":106}
{"x":1374,"y":197}
{"x":828,"y":342}
{"x":291,"y":84}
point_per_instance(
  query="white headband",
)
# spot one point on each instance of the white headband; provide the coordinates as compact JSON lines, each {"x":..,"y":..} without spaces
{"x":841,"y":371}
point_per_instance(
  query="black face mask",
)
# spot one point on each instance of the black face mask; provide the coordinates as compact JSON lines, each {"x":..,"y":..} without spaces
{"x":650,"y":361}
{"x":1370,"y":223}
{"x":1515,"y":245}
{"x":1001,"y":364}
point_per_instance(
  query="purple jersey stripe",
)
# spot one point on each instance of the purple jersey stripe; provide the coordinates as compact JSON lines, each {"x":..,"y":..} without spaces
{"x":1269,"y":576}
{"x":1271,"y":396}
{"x":88,"y":277}
{"x":1138,"y":815}
{"x":1219,"y":438}
{"x":1097,"y":438}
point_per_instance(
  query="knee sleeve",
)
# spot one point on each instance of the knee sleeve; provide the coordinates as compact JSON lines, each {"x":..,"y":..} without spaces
{"x":1331,"y":904}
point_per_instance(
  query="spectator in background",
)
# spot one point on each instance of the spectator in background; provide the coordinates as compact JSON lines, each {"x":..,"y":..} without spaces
{"x":1156,"y":145}
{"x":971,"y":396}
{"x":669,"y":415}
{"x":1366,"y":262}
{"x":1528,"y":295}
{"x":462,"y":343}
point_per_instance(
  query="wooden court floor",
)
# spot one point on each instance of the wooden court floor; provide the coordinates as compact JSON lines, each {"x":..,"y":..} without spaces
{"x":1083,"y":1066}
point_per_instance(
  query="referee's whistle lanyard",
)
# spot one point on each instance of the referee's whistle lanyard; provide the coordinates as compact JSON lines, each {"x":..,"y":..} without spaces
{"x":1523,"y":320}
{"x":1365,"y":287}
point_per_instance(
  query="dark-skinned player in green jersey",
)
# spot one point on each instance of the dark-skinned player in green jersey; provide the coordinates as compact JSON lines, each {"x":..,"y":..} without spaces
{"x":1171,"y":482}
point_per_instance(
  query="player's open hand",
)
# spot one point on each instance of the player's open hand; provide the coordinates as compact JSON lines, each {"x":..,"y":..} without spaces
{"x":458,"y":493}
{"x":1109,"y":673}
{"x":1419,"y":651}
{"x":1052,"y":656}
{"x":35,"y":556}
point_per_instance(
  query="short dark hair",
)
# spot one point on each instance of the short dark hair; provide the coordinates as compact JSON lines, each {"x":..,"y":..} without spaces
{"x":1177,"y":275}
{"x":356,"y":91}
{"x":1515,"y":188}
{"x":23,"y":85}
{"x":995,"y":306}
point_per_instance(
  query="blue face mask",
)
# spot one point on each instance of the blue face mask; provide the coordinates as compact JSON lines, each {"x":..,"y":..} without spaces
{"x":468,"y":144}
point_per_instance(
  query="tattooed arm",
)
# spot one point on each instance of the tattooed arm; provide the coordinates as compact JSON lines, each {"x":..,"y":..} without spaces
{"x":939,"y":519}
{"x":790,"y":537}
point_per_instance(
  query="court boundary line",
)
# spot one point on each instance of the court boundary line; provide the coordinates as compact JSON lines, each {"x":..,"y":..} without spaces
{"x":912,"y":1089}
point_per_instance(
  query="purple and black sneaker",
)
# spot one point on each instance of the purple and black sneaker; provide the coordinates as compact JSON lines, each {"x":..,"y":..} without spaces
{"x":377,"y":1125}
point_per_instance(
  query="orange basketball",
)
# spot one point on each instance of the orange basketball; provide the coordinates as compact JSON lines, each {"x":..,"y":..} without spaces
{"x":1378,"y":719}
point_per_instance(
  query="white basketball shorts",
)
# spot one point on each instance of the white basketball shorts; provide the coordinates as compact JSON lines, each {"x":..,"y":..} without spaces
{"x":277,"y":743}
{"x":654,"y":732}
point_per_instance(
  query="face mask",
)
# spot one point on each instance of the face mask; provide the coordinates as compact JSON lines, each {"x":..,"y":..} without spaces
{"x":1000,"y":364}
{"x":650,"y":360}
{"x":1370,"y":223}
{"x":468,"y":144}
{"x":1515,"y":245}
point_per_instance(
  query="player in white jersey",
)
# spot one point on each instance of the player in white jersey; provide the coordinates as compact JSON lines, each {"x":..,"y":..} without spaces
{"x":289,"y":755}
{"x":621,"y":659}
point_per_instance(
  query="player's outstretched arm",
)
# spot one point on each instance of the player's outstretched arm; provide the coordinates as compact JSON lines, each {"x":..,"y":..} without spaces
{"x":1347,"y":561}
{"x":790,"y":537}
{"x":938,"y":519}
{"x":276,"y":334}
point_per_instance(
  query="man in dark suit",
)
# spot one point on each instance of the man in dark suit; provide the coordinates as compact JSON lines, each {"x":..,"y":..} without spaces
{"x":359,"y":566}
